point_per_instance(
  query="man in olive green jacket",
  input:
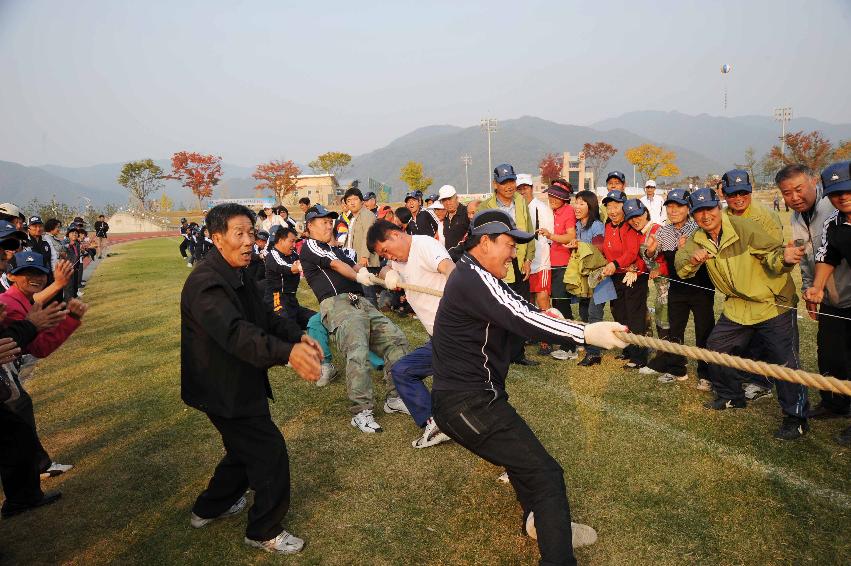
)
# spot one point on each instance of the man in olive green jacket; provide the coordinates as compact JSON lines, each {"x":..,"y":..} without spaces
{"x":751,"y":268}
{"x":507,"y":198}
{"x":736,"y":185}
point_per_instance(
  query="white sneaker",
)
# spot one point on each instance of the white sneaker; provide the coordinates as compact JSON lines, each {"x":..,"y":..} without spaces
{"x":583,"y":535}
{"x":237,"y":507}
{"x":327,"y":374}
{"x":395,"y":405}
{"x":704,"y":384}
{"x":563,"y":355}
{"x":647,"y":370}
{"x":431,"y":436}
{"x":188,"y":264}
{"x":55,"y":469}
{"x":284,"y":543}
{"x":503,"y":478}
{"x":80,"y":293}
{"x":671,"y":378}
{"x":366,"y":422}
{"x":754,"y":392}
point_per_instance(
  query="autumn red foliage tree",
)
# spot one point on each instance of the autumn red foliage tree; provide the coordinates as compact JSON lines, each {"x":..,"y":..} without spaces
{"x":280,"y":177}
{"x":197,"y":172}
{"x":551,"y":166}
{"x":810,"y":149}
{"x":597,"y":155}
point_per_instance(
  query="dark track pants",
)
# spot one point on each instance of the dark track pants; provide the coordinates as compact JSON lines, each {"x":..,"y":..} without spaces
{"x":408,"y":375}
{"x":256,"y":457}
{"x":492,"y":429}
{"x":561,"y":300}
{"x":774,"y":341}
{"x":517,"y":343}
{"x":23,"y":407}
{"x":681,"y":302}
{"x":19,"y":459}
{"x":630,"y":309}
{"x":834,"y":354}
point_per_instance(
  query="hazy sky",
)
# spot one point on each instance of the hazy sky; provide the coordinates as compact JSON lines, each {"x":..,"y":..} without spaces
{"x":88,"y":82}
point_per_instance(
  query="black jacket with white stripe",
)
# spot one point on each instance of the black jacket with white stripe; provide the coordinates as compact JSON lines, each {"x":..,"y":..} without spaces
{"x":316,"y":258}
{"x":474,"y":321}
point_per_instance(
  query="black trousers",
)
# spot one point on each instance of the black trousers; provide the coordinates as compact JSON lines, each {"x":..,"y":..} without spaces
{"x":774,"y":341}
{"x":19,"y":459}
{"x":23,"y":407}
{"x":255,"y":457}
{"x":287,"y":305}
{"x":630,"y":309}
{"x":517,"y":343}
{"x":683,"y":301}
{"x":184,"y":244}
{"x":560,"y":299}
{"x":492,"y":429}
{"x":834,"y":354}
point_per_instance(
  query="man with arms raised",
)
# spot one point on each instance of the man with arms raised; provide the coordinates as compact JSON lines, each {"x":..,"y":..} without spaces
{"x":475,"y":321}
{"x":229,"y":339}
{"x":423,"y":261}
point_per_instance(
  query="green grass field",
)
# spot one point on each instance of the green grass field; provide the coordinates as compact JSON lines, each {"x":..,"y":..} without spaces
{"x":663,"y":480}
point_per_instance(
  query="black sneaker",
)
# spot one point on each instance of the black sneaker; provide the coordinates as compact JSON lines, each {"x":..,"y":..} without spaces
{"x":792,"y":428}
{"x":588,"y":361}
{"x":12,"y":509}
{"x":720,"y":404}
{"x":844,"y":437}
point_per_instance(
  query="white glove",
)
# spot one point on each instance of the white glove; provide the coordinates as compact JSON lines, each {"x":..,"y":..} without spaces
{"x":392,"y":278}
{"x":554,"y":312}
{"x":601,"y":334}
{"x":363,"y":277}
{"x":630,"y":278}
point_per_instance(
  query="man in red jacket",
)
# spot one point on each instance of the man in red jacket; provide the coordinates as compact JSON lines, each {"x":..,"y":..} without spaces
{"x":620,"y":246}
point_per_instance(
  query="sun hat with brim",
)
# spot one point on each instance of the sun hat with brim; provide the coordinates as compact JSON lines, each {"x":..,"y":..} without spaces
{"x":679,"y":196}
{"x":558,"y":191}
{"x":495,"y":222}
{"x":436,"y":205}
{"x":736,"y":181}
{"x":836,"y":177}
{"x":319,"y":211}
{"x":614,"y":195}
{"x":8,"y":230}
{"x":632,"y":208}
{"x":703,"y":198}
{"x":27,"y":260}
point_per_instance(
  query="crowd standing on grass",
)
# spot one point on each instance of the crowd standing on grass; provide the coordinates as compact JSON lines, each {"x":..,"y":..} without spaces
{"x":515,"y":272}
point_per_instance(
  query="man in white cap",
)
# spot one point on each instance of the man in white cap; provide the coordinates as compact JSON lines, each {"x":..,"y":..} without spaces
{"x":438,"y":213}
{"x":655,"y":204}
{"x":456,"y":221}
{"x":542,"y":218}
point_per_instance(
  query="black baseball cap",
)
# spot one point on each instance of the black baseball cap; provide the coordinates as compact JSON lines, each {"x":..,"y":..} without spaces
{"x":34,"y":220}
{"x":369,"y":195}
{"x":494,"y":222}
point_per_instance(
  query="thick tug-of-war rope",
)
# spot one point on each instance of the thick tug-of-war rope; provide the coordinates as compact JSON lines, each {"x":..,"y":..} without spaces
{"x":814,"y":380}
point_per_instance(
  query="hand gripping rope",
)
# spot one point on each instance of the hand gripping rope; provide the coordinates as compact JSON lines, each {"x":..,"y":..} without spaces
{"x":814,"y":380}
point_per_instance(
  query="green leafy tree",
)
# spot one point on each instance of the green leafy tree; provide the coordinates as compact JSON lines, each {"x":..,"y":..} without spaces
{"x":331,"y":163}
{"x":142,"y":178}
{"x":413,"y":176}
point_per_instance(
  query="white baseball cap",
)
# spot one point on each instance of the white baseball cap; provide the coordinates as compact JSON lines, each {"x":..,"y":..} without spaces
{"x":524,"y":179}
{"x":446,"y":191}
{"x":436,"y":205}
{"x":650,"y":183}
{"x":10,"y":209}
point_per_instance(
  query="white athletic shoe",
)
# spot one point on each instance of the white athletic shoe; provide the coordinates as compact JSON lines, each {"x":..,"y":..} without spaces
{"x":431,"y":436}
{"x":327,"y":374}
{"x":564,"y":355}
{"x":647,"y":370}
{"x":503,"y":478}
{"x":754,"y":392}
{"x":366,"y":422}
{"x":671,"y":378}
{"x":188,"y":264}
{"x":55,"y":469}
{"x":284,"y":543}
{"x":237,"y":507}
{"x":583,"y":535}
{"x":704,"y":384}
{"x":395,"y":405}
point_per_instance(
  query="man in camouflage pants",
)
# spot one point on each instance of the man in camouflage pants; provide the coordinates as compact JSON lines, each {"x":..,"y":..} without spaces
{"x":336,"y":279}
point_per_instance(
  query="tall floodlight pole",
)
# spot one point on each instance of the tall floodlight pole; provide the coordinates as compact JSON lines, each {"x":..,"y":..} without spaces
{"x":489,"y":125}
{"x":783,"y":115}
{"x":467,"y":160}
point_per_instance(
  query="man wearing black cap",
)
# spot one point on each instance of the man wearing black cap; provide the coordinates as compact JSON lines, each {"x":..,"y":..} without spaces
{"x":422,"y":223}
{"x":369,"y":203}
{"x":759,"y":320}
{"x":37,"y":243}
{"x":336,"y":279}
{"x":101,"y":230}
{"x":476,"y":318}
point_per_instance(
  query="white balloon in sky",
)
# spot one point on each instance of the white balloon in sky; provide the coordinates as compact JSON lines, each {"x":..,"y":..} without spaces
{"x":726,"y":68}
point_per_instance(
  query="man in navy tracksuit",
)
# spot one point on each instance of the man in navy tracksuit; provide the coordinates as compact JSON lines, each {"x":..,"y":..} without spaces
{"x":475,"y":321}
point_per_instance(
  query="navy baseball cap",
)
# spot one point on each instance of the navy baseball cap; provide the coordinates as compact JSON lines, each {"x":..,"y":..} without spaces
{"x":72,"y":227}
{"x":836,"y":177}
{"x":504,"y":172}
{"x":413,"y":194}
{"x":736,"y":181}
{"x":703,"y":198}
{"x":679,"y":196}
{"x":34,"y":220}
{"x":319,"y":211}
{"x":8,"y":230}
{"x":616,"y":175}
{"x":632,"y":208}
{"x":615,"y":195}
{"x":494,"y":221}
{"x":432,"y":197}
{"x":369,"y":195}
{"x":28,"y":260}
